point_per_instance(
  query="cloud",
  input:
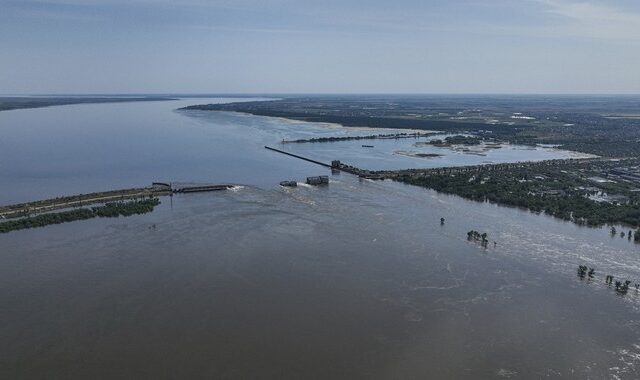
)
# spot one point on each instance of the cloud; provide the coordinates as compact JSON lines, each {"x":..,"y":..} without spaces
{"x":226,"y":4}
{"x":594,"y":19}
{"x":549,"y":19}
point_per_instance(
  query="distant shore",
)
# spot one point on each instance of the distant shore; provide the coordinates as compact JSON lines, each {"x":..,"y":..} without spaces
{"x":9,"y":103}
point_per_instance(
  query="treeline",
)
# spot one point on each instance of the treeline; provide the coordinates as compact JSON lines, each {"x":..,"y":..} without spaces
{"x":349,"y":138}
{"x":611,"y":148}
{"x":458,"y":140}
{"x":12,"y":103}
{"x":22,"y":209}
{"x":505,"y":188}
{"x":273,"y":109}
{"x":580,"y":129}
{"x":109,"y":210}
{"x":113,"y":210}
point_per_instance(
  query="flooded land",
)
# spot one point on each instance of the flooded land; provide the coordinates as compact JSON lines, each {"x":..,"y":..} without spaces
{"x":359,"y":279}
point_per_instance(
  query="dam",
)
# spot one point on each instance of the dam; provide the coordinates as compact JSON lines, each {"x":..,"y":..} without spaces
{"x":157,"y":189}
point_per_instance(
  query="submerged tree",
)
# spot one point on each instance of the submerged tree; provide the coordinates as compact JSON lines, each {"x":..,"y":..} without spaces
{"x":477,"y":236}
{"x":582,"y":271}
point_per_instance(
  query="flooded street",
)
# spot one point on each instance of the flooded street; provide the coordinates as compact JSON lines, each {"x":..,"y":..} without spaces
{"x":357,"y":279}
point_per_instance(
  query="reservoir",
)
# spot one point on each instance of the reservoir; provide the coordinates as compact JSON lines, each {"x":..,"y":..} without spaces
{"x":357,"y":279}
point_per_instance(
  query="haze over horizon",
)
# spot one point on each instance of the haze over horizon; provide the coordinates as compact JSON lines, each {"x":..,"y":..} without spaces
{"x":284,"y":46}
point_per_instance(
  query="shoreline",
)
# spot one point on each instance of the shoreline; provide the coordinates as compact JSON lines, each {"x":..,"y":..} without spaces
{"x":14,"y":103}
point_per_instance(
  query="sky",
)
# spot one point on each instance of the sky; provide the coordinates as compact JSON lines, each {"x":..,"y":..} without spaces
{"x":319,"y":46}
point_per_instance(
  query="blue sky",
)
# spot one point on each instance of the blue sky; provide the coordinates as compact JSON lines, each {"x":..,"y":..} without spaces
{"x":287,"y":46}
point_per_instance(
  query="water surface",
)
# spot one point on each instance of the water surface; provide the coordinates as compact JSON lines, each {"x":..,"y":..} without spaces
{"x":354,"y":280}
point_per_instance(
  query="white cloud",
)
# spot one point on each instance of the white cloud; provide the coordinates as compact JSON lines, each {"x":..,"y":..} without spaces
{"x":594,"y":19}
{"x":231,"y":4}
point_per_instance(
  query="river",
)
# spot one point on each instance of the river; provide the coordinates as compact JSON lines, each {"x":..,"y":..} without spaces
{"x":354,"y":280}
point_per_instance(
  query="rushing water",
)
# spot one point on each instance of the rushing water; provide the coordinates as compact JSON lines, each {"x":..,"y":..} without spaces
{"x":354,"y":280}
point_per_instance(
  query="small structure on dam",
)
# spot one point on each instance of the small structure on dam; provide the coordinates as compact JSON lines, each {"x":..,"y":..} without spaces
{"x":289,"y":183}
{"x":318,"y":180}
{"x":201,"y":188}
{"x":161,"y":186}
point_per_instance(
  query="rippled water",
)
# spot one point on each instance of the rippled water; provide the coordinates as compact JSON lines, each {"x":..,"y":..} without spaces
{"x":392,"y":154}
{"x":384,"y":154}
{"x":354,"y":280}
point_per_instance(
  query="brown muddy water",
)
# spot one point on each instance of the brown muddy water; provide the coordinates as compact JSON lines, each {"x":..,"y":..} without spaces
{"x":354,"y":280}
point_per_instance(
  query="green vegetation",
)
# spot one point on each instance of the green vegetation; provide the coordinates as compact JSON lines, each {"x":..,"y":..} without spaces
{"x":595,"y":125}
{"x":474,"y":235}
{"x":457,"y":140}
{"x":564,"y":190}
{"x":621,"y":288}
{"x":345,"y":120}
{"x":109,"y":210}
{"x":29,"y":208}
{"x":349,"y":138}
{"x":15,"y":102}
{"x":583,"y":271}
{"x":113,"y":210}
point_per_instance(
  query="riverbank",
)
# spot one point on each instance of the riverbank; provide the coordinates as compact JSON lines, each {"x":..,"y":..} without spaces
{"x":357,"y":279}
{"x":158,"y":189}
{"x":548,"y":121}
{"x":110,"y":210}
{"x":46,"y":205}
{"x":586,"y":192}
{"x":388,"y":136}
{"x":26,"y":102}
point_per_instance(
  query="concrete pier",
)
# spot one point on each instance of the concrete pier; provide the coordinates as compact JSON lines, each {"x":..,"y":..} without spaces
{"x":300,"y":157}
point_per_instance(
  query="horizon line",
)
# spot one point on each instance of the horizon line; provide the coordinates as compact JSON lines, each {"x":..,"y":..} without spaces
{"x":204,"y":94}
